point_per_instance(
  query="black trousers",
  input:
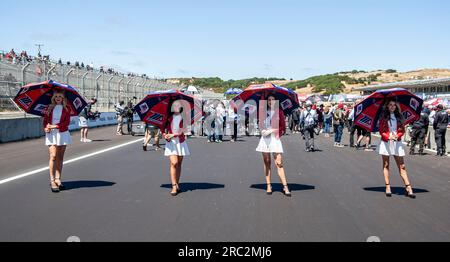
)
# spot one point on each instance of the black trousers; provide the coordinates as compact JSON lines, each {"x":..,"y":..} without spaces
{"x":352,"y":135}
{"x":440,"y":140}
{"x":418,"y":136}
{"x":235,"y":131}
{"x":130,"y":125}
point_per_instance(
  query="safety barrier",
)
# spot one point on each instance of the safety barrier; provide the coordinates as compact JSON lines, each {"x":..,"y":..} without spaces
{"x":18,"y":129}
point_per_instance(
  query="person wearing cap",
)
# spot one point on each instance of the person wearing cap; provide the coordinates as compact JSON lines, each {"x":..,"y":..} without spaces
{"x":338,"y":124}
{"x":440,"y":125}
{"x":308,"y":121}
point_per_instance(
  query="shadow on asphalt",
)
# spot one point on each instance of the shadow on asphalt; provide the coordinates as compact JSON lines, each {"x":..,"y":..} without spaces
{"x":195,"y":186}
{"x":71,"y":185}
{"x":395,"y":190}
{"x":279,"y":187}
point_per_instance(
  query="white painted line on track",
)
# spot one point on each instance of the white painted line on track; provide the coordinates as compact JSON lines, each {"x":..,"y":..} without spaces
{"x":37,"y":171}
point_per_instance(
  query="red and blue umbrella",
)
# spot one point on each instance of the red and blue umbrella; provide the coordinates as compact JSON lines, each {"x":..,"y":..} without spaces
{"x":155,"y":107}
{"x":35,"y":98}
{"x":287,"y":98}
{"x":369,"y":111}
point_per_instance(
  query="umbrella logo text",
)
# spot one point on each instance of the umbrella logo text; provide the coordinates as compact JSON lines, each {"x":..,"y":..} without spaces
{"x":41,"y":108}
{"x":77,"y":103}
{"x":414,"y":103}
{"x":286,"y":104}
{"x":144,"y":108}
{"x":26,"y":101}
{"x":155,"y":118}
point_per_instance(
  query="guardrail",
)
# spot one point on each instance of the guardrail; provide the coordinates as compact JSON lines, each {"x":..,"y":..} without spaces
{"x":18,"y":129}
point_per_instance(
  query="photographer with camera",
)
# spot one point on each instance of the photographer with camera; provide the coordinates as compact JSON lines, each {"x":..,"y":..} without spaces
{"x":309,"y":122}
{"x":83,"y":120}
{"x":120,"y":113}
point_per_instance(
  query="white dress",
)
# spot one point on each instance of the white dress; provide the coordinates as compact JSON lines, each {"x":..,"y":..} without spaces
{"x":392,"y":148}
{"x":174,"y":147}
{"x":270,"y":144}
{"x":56,"y":138}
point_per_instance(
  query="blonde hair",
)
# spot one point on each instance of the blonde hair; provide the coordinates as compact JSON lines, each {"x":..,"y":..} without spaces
{"x":53,"y":104}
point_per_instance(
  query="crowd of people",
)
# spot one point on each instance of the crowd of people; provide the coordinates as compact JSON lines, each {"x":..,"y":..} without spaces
{"x":23,"y":58}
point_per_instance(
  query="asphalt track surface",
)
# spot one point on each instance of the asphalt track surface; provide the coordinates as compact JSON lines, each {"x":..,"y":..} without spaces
{"x":123,"y":194}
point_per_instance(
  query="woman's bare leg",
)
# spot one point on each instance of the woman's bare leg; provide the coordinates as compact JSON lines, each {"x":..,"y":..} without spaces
{"x":180,"y":163}
{"x":402,"y":170}
{"x":60,"y":152}
{"x":267,"y":170}
{"x":52,"y":164}
{"x":386,"y":173}
{"x":173,"y":172}
{"x":281,"y":173}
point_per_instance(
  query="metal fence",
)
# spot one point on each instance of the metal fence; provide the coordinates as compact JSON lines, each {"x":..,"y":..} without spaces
{"x":108,"y":88}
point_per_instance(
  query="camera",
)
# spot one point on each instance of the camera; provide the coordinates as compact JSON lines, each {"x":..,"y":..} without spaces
{"x":94,"y":115}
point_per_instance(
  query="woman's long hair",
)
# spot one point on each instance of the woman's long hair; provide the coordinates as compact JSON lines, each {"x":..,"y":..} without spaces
{"x":53,"y":104}
{"x":397,"y":113}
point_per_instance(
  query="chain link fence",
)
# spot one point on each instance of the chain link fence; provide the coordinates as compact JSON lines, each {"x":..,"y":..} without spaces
{"x":108,"y":88}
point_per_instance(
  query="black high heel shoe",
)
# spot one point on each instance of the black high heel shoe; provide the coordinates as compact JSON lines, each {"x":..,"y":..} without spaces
{"x":54,"y":189}
{"x":286,"y":192}
{"x":269,"y":192}
{"x":390,"y":193}
{"x":176,"y":192}
{"x":60,"y":184}
{"x":409,"y":194}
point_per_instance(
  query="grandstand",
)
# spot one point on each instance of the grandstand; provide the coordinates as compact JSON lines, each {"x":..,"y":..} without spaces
{"x":439,"y":87}
{"x":108,"y":86}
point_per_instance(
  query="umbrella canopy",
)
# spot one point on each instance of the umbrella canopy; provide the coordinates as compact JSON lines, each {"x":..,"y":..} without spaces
{"x":35,"y":98}
{"x":287,"y":98}
{"x":302,"y":97}
{"x":154,"y":109}
{"x":368,"y":111}
{"x":192,"y":89}
{"x":314,"y":98}
{"x":233,"y":91}
{"x":437,"y":101}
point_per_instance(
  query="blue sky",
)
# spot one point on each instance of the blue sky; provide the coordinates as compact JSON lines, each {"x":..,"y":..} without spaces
{"x":235,"y":38}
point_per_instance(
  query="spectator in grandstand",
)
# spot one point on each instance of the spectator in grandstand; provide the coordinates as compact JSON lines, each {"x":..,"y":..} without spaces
{"x":83,"y":121}
{"x":57,"y":138}
{"x":60,"y":62}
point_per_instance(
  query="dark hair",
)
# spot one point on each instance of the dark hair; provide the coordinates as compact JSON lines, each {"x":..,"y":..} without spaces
{"x":397,"y":113}
{"x":267,"y":98}
{"x":440,"y":107}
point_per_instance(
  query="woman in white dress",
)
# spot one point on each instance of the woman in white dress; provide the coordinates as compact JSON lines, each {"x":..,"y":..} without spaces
{"x":392,"y":129}
{"x":272,"y":128}
{"x":176,"y":146}
{"x":57,"y":137}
